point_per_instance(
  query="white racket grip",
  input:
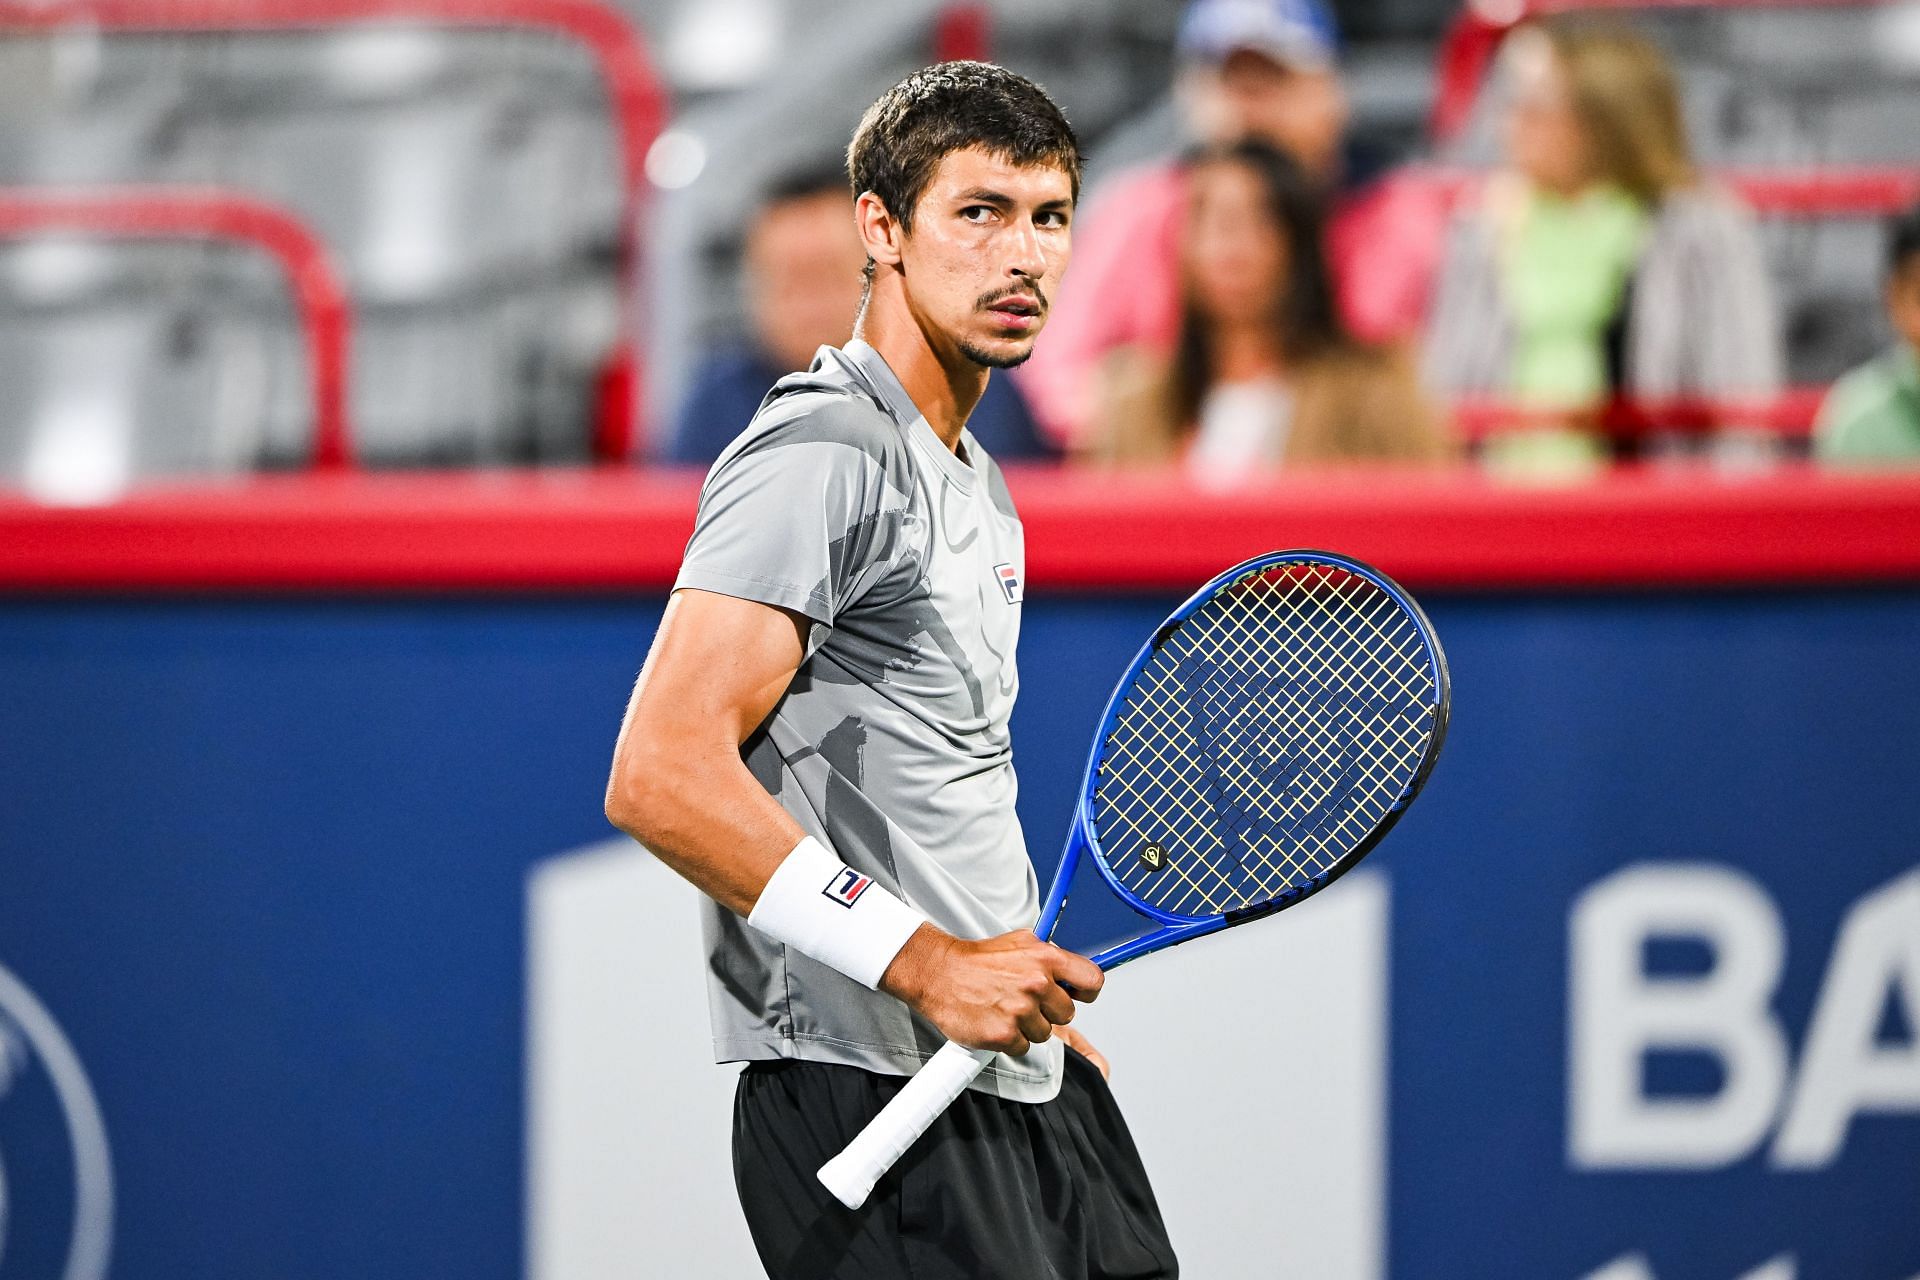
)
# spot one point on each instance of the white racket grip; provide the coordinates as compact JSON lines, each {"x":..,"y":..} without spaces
{"x":851,"y":1174}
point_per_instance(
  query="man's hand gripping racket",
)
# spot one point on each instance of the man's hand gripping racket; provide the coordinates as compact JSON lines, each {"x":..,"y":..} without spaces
{"x":1261,"y":743}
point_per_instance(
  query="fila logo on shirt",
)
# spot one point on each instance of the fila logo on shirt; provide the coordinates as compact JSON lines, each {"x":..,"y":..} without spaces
{"x":846,"y":887}
{"x":1009,"y":579}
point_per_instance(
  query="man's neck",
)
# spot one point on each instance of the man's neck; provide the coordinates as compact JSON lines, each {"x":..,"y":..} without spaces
{"x":943,"y":385}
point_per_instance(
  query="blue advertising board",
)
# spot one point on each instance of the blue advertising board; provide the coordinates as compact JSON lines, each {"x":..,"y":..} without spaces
{"x":1654,"y":962}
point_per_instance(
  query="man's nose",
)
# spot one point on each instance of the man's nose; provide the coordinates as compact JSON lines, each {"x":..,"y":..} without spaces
{"x":1029,"y":259}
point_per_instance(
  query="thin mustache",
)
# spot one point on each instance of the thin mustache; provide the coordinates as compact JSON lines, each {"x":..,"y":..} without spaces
{"x":986,"y":301}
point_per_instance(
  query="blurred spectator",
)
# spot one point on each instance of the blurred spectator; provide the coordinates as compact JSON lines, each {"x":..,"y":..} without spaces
{"x":1873,"y":414}
{"x":1263,"y":372}
{"x":1262,"y":69}
{"x":1597,"y":262}
{"x":802,"y":268}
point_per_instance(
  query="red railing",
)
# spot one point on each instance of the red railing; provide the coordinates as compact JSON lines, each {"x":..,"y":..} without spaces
{"x":1467,"y":49}
{"x":637,"y":99}
{"x":159,"y":213}
{"x":1791,"y":414}
{"x":1853,"y":191}
{"x":1839,"y":192}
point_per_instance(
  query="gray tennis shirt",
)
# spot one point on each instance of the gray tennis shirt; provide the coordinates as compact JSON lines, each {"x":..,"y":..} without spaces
{"x":890,"y":747}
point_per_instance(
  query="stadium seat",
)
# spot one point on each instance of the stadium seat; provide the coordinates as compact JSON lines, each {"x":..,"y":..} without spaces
{"x":100,"y":342}
{"x":87,"y":108}
{"x":465,"y":179}
{"x":1828,"y":275}
{"x":1877,"y":125}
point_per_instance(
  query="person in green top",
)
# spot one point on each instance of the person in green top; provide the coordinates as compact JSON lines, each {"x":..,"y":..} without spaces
{"x":1872,"y":415}
{"x":1598,"y":265}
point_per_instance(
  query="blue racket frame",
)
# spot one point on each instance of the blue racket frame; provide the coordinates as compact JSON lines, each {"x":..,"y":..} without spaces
{"x":1082,"y":839}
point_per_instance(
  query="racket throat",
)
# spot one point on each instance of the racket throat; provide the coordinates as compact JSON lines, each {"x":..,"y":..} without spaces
{"x":1158,"y":940}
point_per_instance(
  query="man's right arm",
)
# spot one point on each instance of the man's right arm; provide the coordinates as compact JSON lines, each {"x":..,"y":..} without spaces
{"x":718,"y":667}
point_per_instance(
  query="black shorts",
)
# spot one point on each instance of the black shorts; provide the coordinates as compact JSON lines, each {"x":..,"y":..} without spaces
{"x":996,"y":1190}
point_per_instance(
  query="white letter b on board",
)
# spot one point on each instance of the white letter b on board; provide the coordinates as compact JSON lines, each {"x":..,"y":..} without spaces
{"x":1617,"y":1013}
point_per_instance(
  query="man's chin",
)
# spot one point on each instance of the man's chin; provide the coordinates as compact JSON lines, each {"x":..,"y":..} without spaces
{"x":1008,"y":356}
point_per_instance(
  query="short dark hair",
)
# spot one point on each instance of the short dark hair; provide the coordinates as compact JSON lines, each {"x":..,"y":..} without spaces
{"x":949,"y":107}
{"x":1903,"y":240}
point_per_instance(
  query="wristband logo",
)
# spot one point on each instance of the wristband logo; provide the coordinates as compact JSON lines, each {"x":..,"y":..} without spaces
{"x":846,"y":887}
{"x":49,"y":1119}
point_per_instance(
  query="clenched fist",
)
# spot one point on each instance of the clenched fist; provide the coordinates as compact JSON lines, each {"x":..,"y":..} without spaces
{"x":1006,"y":993}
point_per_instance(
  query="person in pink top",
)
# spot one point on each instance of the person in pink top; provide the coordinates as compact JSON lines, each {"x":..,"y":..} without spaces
{"x":1259,"y":69}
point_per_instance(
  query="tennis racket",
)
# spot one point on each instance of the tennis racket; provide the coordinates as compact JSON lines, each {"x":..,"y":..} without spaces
{"x":1260,"y":744}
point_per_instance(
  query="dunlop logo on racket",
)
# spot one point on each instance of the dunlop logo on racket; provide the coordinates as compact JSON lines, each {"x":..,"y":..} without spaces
{"x":1153,"y":856}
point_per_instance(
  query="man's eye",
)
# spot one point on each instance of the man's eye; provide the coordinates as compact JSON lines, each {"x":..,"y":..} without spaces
{"x":1052,"y":221}
{"x":977,"y":212}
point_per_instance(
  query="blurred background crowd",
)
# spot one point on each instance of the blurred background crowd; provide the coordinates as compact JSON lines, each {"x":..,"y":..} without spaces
{"x":1543,"y":237}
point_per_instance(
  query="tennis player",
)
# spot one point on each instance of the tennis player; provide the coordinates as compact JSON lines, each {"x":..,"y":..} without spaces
{"x":819,"y":742}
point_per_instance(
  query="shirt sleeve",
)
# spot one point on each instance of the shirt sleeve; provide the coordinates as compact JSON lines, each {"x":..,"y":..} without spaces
{"x":1859,"y":421}
{"x":1703,"y":320}
{"x":1469,"y":344}
{"x":800,"y":516}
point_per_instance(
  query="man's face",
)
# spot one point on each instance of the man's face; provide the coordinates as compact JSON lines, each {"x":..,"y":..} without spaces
{"x":989,"y":244}
{"x":803,"y":276}
{"x":1299,"y":110}
{"x":1903,"y":301}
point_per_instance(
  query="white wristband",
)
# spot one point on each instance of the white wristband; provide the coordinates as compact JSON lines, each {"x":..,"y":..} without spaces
{"x":823,"y":908}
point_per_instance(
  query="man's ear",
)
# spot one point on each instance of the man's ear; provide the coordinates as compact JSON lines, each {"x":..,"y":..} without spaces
{"x":880,"y":232}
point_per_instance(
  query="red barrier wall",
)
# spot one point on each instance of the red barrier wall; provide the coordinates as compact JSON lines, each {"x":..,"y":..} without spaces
{"x":624,"y":531}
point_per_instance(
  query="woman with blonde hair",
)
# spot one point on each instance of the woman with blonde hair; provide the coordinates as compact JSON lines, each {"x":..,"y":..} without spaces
{"x":1263,"y":374}
{"x":1597,"y":263}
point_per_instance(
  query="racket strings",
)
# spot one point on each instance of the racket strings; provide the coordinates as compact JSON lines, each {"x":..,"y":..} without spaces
{"x":1323,"y":717}
{"x":1240,"y":775}
{"x":1274,"y":862}
{"x":1347,"y":629}
{"x":1264,"y":740}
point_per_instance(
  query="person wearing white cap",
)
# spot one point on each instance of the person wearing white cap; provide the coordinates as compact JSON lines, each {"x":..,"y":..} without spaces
{"x":1260,"y":69}
{"x":1266,"y":69}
